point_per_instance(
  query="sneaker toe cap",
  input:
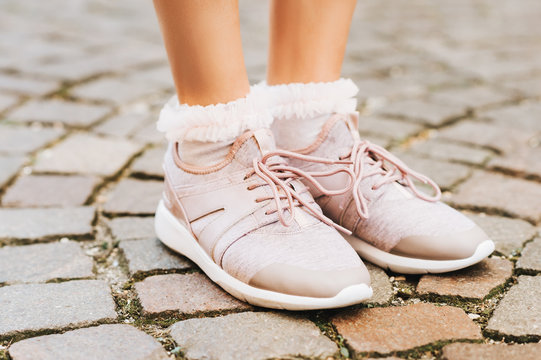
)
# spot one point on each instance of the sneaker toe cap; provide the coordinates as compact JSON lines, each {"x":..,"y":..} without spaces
{"x":459,"y":245}
{"x":293,"y":280}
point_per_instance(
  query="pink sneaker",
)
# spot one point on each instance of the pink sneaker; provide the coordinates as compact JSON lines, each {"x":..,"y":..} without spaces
{"x":393,"y":224}
{"x":256,"y":231}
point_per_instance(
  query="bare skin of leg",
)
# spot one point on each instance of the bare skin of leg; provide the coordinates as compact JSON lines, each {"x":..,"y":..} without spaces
{"x":308,"y":40}
{"x":203,"y":43}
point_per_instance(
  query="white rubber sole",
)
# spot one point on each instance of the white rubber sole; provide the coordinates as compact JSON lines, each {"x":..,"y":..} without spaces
{"x":406,"y":265}
{"x":175,"y":236}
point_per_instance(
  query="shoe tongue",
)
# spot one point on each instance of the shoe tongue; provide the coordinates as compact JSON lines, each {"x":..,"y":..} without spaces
{"x":253,"y":145}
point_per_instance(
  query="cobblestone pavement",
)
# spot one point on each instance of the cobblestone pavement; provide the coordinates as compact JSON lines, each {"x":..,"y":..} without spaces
{"x":453,"y":86}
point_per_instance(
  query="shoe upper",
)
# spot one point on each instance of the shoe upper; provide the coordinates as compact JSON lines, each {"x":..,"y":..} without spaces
{"x":245,"y":222}
{"x":384,"y":208}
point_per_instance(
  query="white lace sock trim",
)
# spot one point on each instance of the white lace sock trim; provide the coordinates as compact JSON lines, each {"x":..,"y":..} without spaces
{"x":214,"y":123}
{"x":311,"y":99}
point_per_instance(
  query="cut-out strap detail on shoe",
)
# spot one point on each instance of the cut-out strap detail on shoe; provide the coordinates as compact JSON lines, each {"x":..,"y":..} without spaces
{"x":278,"y":175}
{"x":365,"y":152}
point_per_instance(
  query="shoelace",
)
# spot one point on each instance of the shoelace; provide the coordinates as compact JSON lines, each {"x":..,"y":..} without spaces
{"x":278,"y":175}
{"x":365,"y":153}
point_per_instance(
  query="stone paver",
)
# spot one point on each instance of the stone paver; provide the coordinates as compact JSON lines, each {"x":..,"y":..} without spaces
{"x":187,"y":294}
{"x":52,"y":111}
{"x":471,"y":97}
{"x":42,"y":262}
{"x":131,"y":196}
{"x":442,"y":150}
{"x":401,"y":328}
{"x":423,"y":111}
{"x":523,"y":160}
{"x":445,"y":174}
{"x":118,"y":90}
{"x":9,"y":167}
{"x":486,"y":134}
{"x":128,"y":228}
{"x":530,"y":259}
{"x":37,"y":307}
{"x":87,"y":154}
{"x":381,"y":285}
{"x":103,"y":342}
{"x":519,"y":312}
{"x":150,"y":163}
{"x":7,"y":101}
{"x":121,"y":125}
{"x":461,"y":351}
{"x":46,"y":190}
{"x":388,"y":127}
{"x":455,"y":85}
{"x":42,"y":223}
{"x":145,"y":255}
{"x":524,"y":116}
{"x":508,"y":234}
{"x":22,"y":140}
{"x":490,"y":190}
{"x":19,"y":85}
{"x":251,"y":335}
{"x":474,"y":282}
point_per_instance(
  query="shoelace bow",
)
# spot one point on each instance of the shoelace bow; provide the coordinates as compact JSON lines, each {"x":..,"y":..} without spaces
{"x":365,"y":153}
{"x":278,"y":175}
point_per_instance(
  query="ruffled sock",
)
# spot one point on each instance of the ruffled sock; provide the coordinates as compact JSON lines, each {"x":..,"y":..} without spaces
{"x":205,"y":133}
{"x":300,"y":110}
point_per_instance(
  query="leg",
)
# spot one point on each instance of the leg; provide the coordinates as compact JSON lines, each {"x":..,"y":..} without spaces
{"x":308,"y":40}
{"x":204,"y":47}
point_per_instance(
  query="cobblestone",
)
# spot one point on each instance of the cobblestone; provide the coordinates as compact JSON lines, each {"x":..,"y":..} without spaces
{"x":37,"y":307}
{"x":186,"y":294}
{"x":519,"y":312}
{"x":53,"y":111}
{"x":530,"y":259}
{"x":43,"y":262}
{"x":485,"y":134}
{"x":474,"y":282}
{"x":114,"y":341}
{"x":524,"y":116}
{"x":491,"y":351}
{"x":507,"y":234}
{"x":423,"y":111}
{"x":150,"y":163}
{"x":121,"y":125}
{"x":23,"y":140}
{"x":385,"y":127}
{"x":132,"y":196}
{"x":471,"y":97}
{"x":524,"y":160}
{"x":118,"y":90}
{"x":401,"y":328}
{"x":146,"y":255}
{"x":445,"y":174}
{"x":452,"y":84}
{"x":129,"y":228}
{"x":381,"y":285}
{"x":448,"y":151}
{"x":488,"y":190}
{"x":240,"y":336}
{"x":19,"y":85}
{"x":87,"y":154}
{"x":35,"y":224}
{"x":9,"y":167}
{"x":46,"y":190}
{"x":7,"y":101}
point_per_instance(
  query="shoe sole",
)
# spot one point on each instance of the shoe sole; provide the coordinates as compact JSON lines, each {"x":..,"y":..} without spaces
{"x":406,"y":265}
{"x":176,"y":237}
